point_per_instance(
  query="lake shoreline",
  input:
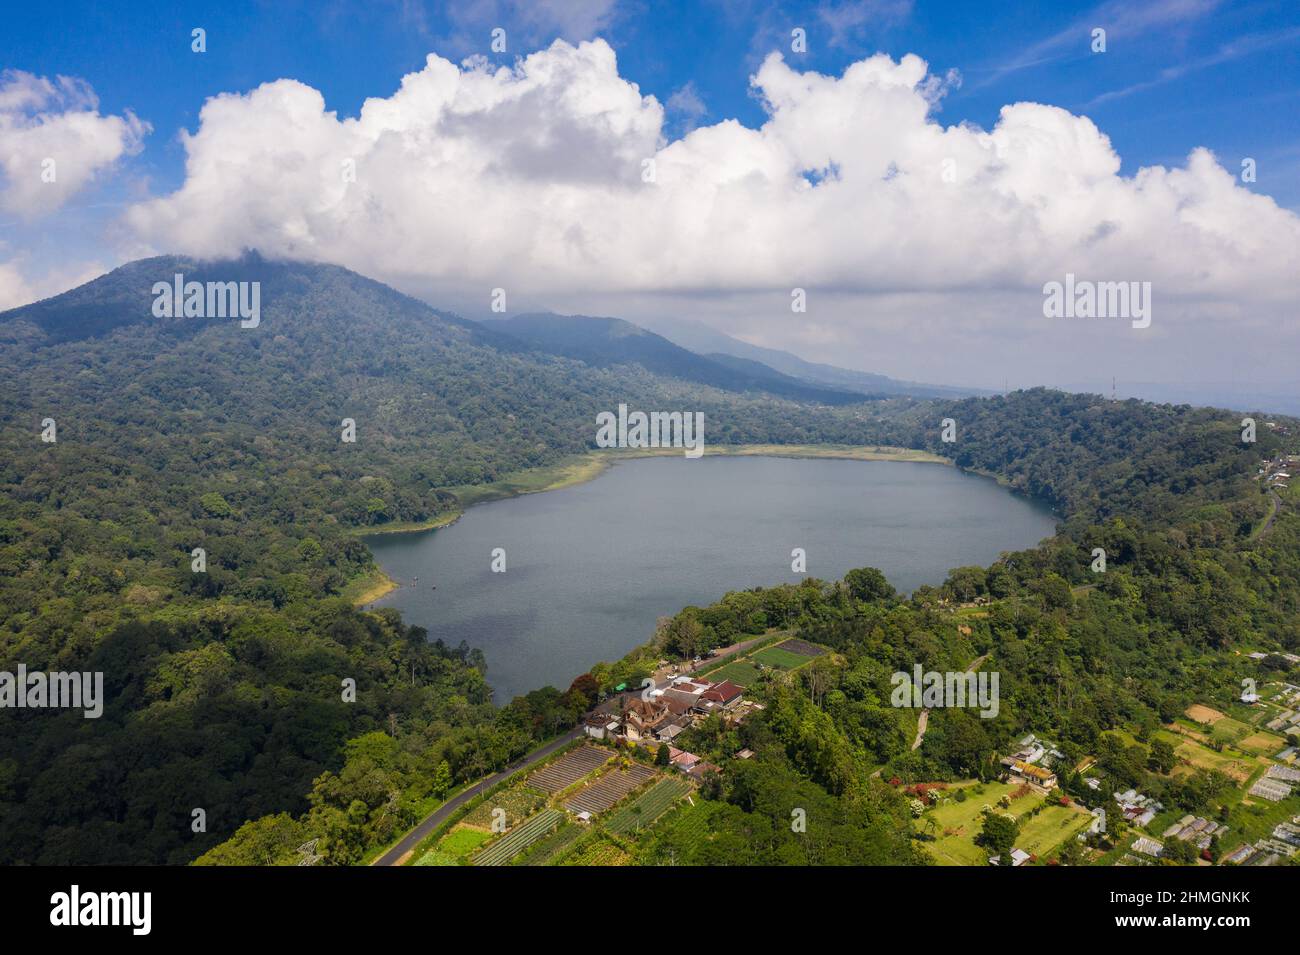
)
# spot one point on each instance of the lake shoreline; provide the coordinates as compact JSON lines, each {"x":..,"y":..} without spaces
{"x":581,"y":468}
{"x":686,"y":536}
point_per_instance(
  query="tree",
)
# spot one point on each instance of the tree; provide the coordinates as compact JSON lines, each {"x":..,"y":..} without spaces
{"x":868,"y":584}
{"x":1162,"y":758}
{"x":662,"y":755}
{"x":442,"y":779}
{"x":998,"y":835}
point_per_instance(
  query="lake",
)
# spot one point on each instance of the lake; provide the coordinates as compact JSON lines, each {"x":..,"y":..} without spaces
{"x":590,"y":568}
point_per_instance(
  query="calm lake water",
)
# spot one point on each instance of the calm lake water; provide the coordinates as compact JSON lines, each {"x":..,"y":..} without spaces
{"x":590,"y":568}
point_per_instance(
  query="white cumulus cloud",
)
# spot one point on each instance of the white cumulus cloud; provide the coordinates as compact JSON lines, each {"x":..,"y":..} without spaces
{"x":531,"y":178}
{"x":53,"y":141}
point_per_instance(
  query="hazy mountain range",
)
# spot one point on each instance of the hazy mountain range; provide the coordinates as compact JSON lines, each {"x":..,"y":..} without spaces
{"x":694,"y":352}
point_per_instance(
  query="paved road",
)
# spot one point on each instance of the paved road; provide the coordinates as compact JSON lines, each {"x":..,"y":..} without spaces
{"x":398,"y":853}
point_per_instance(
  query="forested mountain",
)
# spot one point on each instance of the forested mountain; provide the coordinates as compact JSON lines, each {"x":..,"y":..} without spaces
{"x":602,"y":342}
{"x":224,"y":687}
{"x":181,"y":433}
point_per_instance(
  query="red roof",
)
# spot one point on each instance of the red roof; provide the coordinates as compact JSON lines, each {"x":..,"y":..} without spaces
{"x":723,"y":692}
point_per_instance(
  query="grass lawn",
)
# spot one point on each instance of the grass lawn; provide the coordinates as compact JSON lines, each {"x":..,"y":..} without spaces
{"x":1202,"y":757}
{"x":958,"y":823}
{"x":1262,"y":744}
{"x":781,"y":659}
{"x":460,"y":842}
{"x":454,"y":847}
{"x":737,"y":671}
{"x":1040,"y":835}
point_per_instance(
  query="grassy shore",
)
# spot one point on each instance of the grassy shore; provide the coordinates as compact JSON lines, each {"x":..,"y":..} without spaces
{"x":368,"y":587}
{"x":407,"y":527}
{"x":584,"y":467}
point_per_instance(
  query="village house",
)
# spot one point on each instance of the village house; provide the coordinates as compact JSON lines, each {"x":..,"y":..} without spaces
{"x":642,"y":718}
{"x":600,"y":726}
{"x":1019,"y":771}
{"x":1137,"y":809}
{"x":725,"y":695}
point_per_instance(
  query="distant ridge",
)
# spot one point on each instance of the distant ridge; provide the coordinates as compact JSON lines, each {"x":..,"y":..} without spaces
{"x":600,"y":342}
{"x":703,"y":340}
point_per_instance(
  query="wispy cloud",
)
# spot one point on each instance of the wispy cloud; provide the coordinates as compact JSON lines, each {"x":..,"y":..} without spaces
{"x":1119,"y":18}
{"x":1235,"y":50}
{"x":851,"y":21}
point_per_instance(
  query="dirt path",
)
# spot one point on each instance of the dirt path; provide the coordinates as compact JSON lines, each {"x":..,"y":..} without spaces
{"x":923,"y":721}
{"x":1268,"y":524}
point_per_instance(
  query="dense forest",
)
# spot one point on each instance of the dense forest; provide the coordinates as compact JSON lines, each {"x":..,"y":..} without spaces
{"x":226,"y":688}
{"x":177,"y":434}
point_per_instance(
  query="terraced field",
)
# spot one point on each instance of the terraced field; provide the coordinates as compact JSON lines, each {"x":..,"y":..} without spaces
{"x":646,"y":809}
{"x":519,"y":802}
{"x":568,"y":769}
{"x":554,"y":846}
{"x":519,"y":838}
{"x":801,"y":647}
{"x":598,"y":852}
{"x":691,"y":823}
{"x":609,"y":789}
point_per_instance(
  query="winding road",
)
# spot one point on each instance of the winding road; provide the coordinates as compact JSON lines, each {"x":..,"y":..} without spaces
{"x":399,"y":853}
{"x":406,"y":845}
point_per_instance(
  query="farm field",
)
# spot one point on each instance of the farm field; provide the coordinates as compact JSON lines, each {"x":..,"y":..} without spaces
{"x":789,"y":654}
{"x":1262,"y":744}
{"x":779,"y":658}
{"x":609,"y":789}
{"x":568,"y":769}
{"x":801,"y":647}
{"x":551,"y":849}
{"x":599,"y":851}
{"x":1200,"y":713}
{"x":455,"y":847}
{"x":1201,"y":757}
{"x":518,"y":801}
{"x":519,"y":838}
{"x":740,"y":672}
{"x":1230,"y":731}
{"x":646,"y":810}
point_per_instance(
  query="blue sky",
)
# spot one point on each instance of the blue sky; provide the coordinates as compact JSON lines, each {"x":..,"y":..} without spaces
{"x":1176,"y":76}
{"x":1235,"y":86}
